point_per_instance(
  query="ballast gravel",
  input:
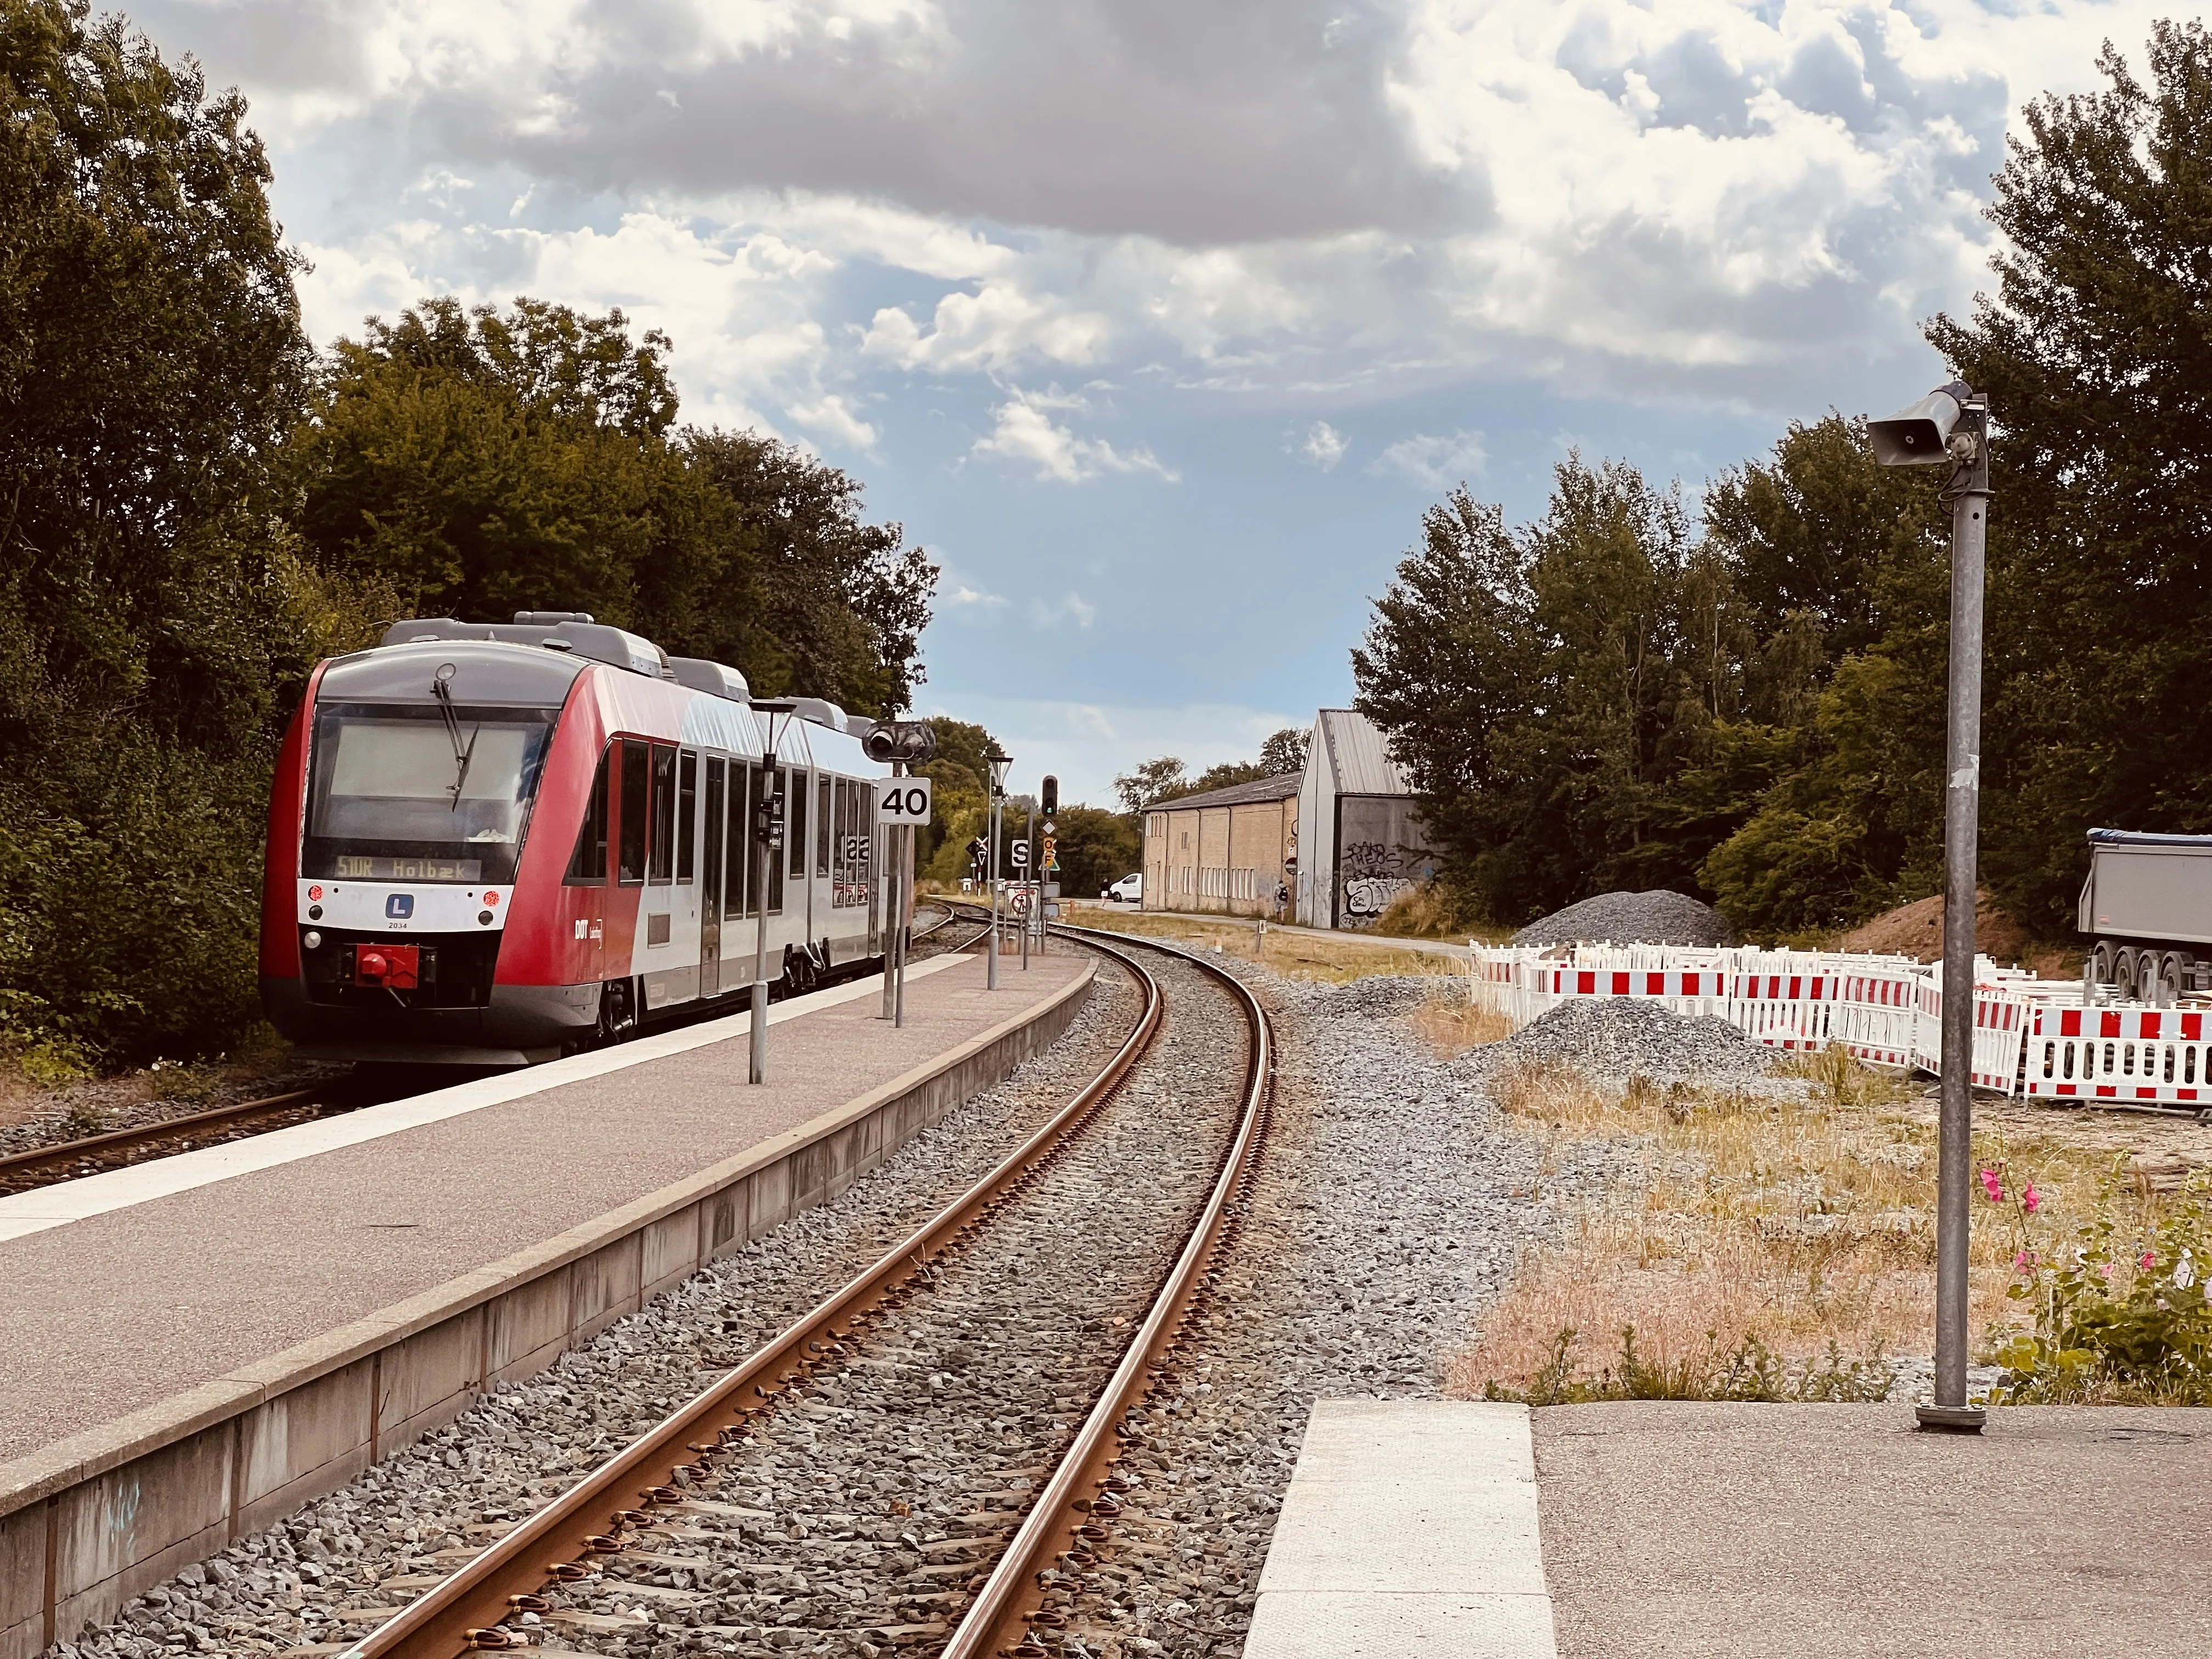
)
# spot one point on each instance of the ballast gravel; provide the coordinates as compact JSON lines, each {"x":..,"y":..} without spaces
{"x":1658,"y":917}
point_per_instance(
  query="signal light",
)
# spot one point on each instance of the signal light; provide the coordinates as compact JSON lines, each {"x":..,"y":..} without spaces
{"x":1049,"y":796}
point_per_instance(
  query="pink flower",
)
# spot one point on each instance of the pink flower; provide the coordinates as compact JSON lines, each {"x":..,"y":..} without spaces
{"x":2106,"y":1270}
{"x":2029,"y":1202}
{"x":2148,"y":1260}
{"x":1992,"y":1186}
{"x":2022,"y":1261}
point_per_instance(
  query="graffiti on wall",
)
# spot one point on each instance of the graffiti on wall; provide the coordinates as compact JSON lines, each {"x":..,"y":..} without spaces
{"x":1379,"y":855}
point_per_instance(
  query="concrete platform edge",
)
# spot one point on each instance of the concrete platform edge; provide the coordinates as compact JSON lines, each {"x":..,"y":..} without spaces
{"x":88,"y":1522}
{"x":1409,"y":1526}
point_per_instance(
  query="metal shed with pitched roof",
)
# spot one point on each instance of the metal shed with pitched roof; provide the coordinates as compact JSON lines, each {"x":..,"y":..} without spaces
{"x":1359,"y":838}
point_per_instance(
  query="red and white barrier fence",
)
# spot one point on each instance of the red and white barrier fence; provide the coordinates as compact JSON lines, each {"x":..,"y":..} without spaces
{"x":2031,"y":1036}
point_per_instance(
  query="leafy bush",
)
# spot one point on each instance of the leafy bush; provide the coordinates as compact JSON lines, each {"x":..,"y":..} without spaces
{"x":2118,"y":1311}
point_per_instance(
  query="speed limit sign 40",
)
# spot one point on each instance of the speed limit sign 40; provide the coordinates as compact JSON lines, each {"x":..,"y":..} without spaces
{"x":903,"y":800}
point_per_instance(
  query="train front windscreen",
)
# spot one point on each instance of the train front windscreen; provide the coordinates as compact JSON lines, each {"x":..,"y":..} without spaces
{"x":410,"y":794}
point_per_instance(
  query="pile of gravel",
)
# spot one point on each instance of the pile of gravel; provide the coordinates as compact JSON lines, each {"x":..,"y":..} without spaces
{"x":1619,"y":1037}
{"x":1658,"y":917}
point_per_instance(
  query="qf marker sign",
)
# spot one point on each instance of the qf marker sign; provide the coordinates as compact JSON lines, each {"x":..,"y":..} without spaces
{"x":903,"y":800}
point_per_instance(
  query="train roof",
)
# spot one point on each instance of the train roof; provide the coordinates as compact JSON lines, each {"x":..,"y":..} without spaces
{"x":576,"y":636}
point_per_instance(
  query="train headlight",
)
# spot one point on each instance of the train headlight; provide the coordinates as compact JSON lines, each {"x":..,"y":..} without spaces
{"x":314,"y":912}
{"x":484,"y":918}
{"x":311,"y":939}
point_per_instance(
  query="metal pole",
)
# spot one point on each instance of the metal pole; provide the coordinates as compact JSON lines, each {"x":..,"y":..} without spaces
{"x":991,"y":961}
{"x":906,"y":892}
{"x":759,"y":896}
{"x":1962,"y":764}
{"x":887,"y":891}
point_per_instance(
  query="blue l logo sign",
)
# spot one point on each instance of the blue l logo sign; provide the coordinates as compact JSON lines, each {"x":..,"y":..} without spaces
{"x":399,"y":906}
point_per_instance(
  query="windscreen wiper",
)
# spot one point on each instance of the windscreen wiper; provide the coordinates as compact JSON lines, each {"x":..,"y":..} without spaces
{"x":441,"y":689}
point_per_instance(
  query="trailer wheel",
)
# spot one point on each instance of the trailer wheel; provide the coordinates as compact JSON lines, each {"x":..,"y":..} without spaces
{"x":2123,"y":974}
{"x":2102,"y":962}
{"x":2168,"y":983}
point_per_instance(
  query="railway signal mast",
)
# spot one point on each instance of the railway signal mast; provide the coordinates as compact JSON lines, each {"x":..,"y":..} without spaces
{"x":1951,"y":427}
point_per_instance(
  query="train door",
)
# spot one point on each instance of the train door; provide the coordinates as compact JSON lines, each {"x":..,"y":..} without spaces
{"x":798,"y":850}
{"x":710,"y":880}
{"x":656,"y":916}
{"x":825,"y":831}
{"x":741,"y":857}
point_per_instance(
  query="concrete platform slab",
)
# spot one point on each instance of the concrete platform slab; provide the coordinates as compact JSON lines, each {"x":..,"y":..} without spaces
{"x":1832,"y":1532}
{"x":1409,"y":1521}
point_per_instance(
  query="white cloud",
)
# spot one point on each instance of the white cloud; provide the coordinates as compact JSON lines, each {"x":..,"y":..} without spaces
{"x":1324,"y":445}
{"x":1026,"y":432}
{"x":1435,"y":460}
{"x":960,"y":597}
{"x":1698,"y":199}
{"x":1069,"y":607}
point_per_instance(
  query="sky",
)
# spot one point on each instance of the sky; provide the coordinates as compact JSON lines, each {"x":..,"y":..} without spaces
{"x":1158,"y":324}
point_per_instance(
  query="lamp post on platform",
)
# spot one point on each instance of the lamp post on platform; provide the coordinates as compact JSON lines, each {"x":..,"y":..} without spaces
{"x":1951,"y":427}
{"x":999,"y":763}
{"x":767,"y":840}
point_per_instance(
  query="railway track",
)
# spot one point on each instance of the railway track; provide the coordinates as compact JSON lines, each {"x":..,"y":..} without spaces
{"x":1026,"y":1323}
{"x":70,"y":1160}
{"x":42,"y":1166}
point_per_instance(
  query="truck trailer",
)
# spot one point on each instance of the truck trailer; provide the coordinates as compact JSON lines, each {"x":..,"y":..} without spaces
{"x":2148,"y":906}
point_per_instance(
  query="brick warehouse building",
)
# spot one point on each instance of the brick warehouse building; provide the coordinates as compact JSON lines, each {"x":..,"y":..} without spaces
{"x":1227,"y":850}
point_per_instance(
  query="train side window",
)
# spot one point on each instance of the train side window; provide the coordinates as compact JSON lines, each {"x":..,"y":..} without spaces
{"x":841,"y":816}
{"x":588,"y":867}
{"x":776,"y":782}
{"x":687,"y":815}
{"x":824,"y":826}
{"x":636,"y":768}
{"x":794,"y":837}
{"x":662,"y":862}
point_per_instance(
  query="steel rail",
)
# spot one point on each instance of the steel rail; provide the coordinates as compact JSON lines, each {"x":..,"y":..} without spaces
{"x":39,"y":1160}
{"x":606,"y":1511}
{"x":1062,"y":1530}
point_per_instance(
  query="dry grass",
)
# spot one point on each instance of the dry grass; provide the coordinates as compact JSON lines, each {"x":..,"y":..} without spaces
{"x":1295,"y":955}
{"x":1451,"y":1022}
{"x":1794,"y":1223}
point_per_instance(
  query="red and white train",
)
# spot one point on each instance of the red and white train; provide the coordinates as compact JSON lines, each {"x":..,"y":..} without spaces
{"x":492,"y":844}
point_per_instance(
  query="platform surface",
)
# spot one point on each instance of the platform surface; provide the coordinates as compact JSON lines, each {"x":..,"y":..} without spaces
{"x":1409,"y":1527}
{"x":1834,"y":1532}
{"x":130,"y":1292}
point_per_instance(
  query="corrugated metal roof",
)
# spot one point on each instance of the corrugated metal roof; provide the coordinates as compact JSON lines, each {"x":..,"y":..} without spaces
{"x":1356,"y":755}
{"x":1280,"y":788}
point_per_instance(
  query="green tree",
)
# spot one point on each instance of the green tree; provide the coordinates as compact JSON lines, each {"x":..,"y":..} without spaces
{"x":1158,"y":780}
{"x":484,"y":462}
{"x":2096,"y":351}
{"x":1097,"y":846}
{"x":154,"y":624}
{"x":1286,"y":751}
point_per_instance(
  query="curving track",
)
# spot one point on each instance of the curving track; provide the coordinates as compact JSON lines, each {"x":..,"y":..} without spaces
{"x":1060,"y":1284}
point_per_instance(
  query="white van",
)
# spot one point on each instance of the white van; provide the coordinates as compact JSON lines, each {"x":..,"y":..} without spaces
{"x":1130,"y":890}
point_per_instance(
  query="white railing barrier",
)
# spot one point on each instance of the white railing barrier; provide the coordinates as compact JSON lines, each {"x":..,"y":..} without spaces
{"x":1883,"y":1009}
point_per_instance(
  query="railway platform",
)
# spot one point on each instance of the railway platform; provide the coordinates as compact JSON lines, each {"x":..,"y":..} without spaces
{"x":1472,"y":1530}
{"x":191,"y":1347}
